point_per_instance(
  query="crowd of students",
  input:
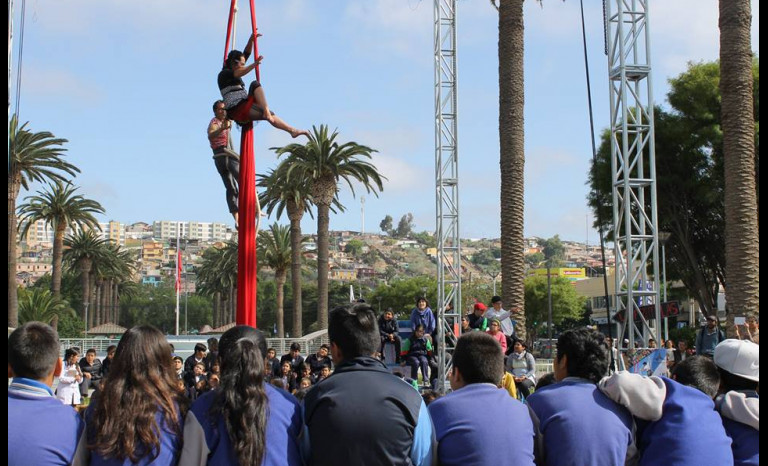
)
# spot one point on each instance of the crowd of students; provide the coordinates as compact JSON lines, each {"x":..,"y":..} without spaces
{"x":707,"y":412}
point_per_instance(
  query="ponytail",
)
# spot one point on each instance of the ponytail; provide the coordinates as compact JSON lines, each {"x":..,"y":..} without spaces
{"x":242,"y":400}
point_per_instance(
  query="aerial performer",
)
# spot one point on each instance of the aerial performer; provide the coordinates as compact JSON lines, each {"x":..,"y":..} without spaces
{"x":248,"y":106}
{"x":227,"y":161}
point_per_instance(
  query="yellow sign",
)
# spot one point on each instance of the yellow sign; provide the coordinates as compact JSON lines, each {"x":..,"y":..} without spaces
{"x":571,"y":273}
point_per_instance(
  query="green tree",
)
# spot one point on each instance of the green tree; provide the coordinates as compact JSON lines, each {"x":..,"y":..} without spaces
{"x":534,"y":260}
{"x":61,"y":208}
{"x":81,"y":249}
{"x":32,"y":156}
{"x":566,"y":303}
{"x":742,"y":228}
{"x":324,"y":162}
{"x":293,"y":196}
{"x":41,"y":306}
{"x":553,"y":251}
{"x":690,"y":181}
{"x":386,"y":225}
{"x":275,"y":248}
{"x":354,"y":247}
{"x":217,"y":277}
{"x":425,"y":238}
{"x":404,"y":226}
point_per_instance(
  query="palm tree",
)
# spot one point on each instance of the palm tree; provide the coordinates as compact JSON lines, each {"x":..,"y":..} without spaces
{"x":114,"y":267}
{"x":323,"y":162}
{"x":742,"y":253}
{"x":217,"y":277}
{"x":82,"y":249}
{"x":293,"y":196}
{"x":31,"y":157}
{"x":41,"y":306}
{"x":61,"y":208}
{"x":275,"y":249}
{"x":512,"y":156}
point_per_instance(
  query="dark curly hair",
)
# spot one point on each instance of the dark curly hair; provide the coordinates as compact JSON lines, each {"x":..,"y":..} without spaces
{"x":587,"y":353}
{"x":141,"y":383}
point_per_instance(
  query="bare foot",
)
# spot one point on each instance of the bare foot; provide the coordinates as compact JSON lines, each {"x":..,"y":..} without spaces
{"x":234,"y":214}
{"x":299,"y":132}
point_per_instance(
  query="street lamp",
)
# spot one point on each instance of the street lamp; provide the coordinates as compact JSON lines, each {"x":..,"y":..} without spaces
{"x":663,"y":238}
{"x":493,"y":275}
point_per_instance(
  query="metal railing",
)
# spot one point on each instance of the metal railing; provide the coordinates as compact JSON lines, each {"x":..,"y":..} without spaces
{"x":184,"y":345}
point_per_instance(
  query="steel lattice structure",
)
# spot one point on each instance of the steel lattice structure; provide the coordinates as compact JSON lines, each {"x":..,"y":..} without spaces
{"x":633,"y":164}
{"x":447,"y":186}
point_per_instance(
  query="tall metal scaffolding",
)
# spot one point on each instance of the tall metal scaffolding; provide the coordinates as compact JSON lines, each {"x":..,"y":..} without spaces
{"x":447,"y":186}
{"x":633,"y":164}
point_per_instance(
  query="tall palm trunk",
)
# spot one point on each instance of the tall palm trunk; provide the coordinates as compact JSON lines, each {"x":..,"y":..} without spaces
{"x":85,"y":281}
{"x":92,"y":301}
{"x":97,"y":304}
{"x":294,"y":214}
{"x":512,"y":157}
{"x":232,"y":304}
{"x":109,"y":311}
{"x":217,"y":310}
{"x":742,"y":245}
{"x":280,"y":278}
{"x":104,"y":301}
{"x":13,"y":299}
{"x":323,"y":222}
{"x":58,"y":254}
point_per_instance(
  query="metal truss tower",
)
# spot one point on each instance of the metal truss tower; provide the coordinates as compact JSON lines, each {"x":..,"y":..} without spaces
{"x":447,"y":186}
{"x":633,"y":164}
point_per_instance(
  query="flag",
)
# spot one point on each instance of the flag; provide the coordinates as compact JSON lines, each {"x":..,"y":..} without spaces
{"x":178,"y":269}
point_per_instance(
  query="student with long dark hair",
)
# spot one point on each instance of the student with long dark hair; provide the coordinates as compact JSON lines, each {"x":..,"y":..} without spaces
{"x":137,"y":417}
{"x":245,"y":421}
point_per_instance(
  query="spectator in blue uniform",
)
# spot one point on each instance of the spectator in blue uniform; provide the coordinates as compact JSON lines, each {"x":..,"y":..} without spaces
{"x":575,"y":422}
{"x":676,"y":419}
{"x":739,"y":403}
{"x":137,"y":417}
{"x":500,"y":433}
{"x":41,"y":430}
{"x":246,"y":421}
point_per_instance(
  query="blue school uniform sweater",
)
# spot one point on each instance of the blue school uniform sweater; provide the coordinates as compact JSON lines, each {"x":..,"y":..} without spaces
{"x":41,"y":430}
{"x":500,"y":432}
{"x":168,"y":454}
{"x":580,"y":425}
{"x":689,"y":431}
{"x":206,"y":440}
{"x":746,"y":440}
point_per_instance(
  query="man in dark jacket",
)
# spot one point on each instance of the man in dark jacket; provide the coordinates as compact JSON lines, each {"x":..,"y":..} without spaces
{"x":91,"y":367}
{"x":383,"y":421}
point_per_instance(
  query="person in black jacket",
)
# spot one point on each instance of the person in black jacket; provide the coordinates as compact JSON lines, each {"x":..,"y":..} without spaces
{"x":90,"y":365}
{"x":294,"y":357}
{"x":362,"y":414}
{"x":389,"y":331}
{"x":318,"y":360}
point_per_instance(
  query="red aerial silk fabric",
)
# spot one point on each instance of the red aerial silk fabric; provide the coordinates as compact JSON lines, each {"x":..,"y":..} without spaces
{"x":246,"y":235}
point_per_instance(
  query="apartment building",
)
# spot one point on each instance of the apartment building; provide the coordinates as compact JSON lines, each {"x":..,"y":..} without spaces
{"x":202,"y":231}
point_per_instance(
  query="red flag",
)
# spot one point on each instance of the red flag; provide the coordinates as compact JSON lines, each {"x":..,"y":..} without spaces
{"x":178,"y":270}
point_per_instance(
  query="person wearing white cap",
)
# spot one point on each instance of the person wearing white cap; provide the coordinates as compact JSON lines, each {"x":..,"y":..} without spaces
{"x":739,"y":404}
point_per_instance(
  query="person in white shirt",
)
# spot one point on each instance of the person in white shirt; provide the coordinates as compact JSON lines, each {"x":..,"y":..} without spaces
{"x":507,"y":324}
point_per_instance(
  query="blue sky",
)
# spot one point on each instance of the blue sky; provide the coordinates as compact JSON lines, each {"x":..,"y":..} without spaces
{"x":130,"y":85}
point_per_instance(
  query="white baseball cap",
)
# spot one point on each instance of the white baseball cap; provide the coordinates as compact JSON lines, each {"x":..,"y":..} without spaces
{"x":739,"y":357}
